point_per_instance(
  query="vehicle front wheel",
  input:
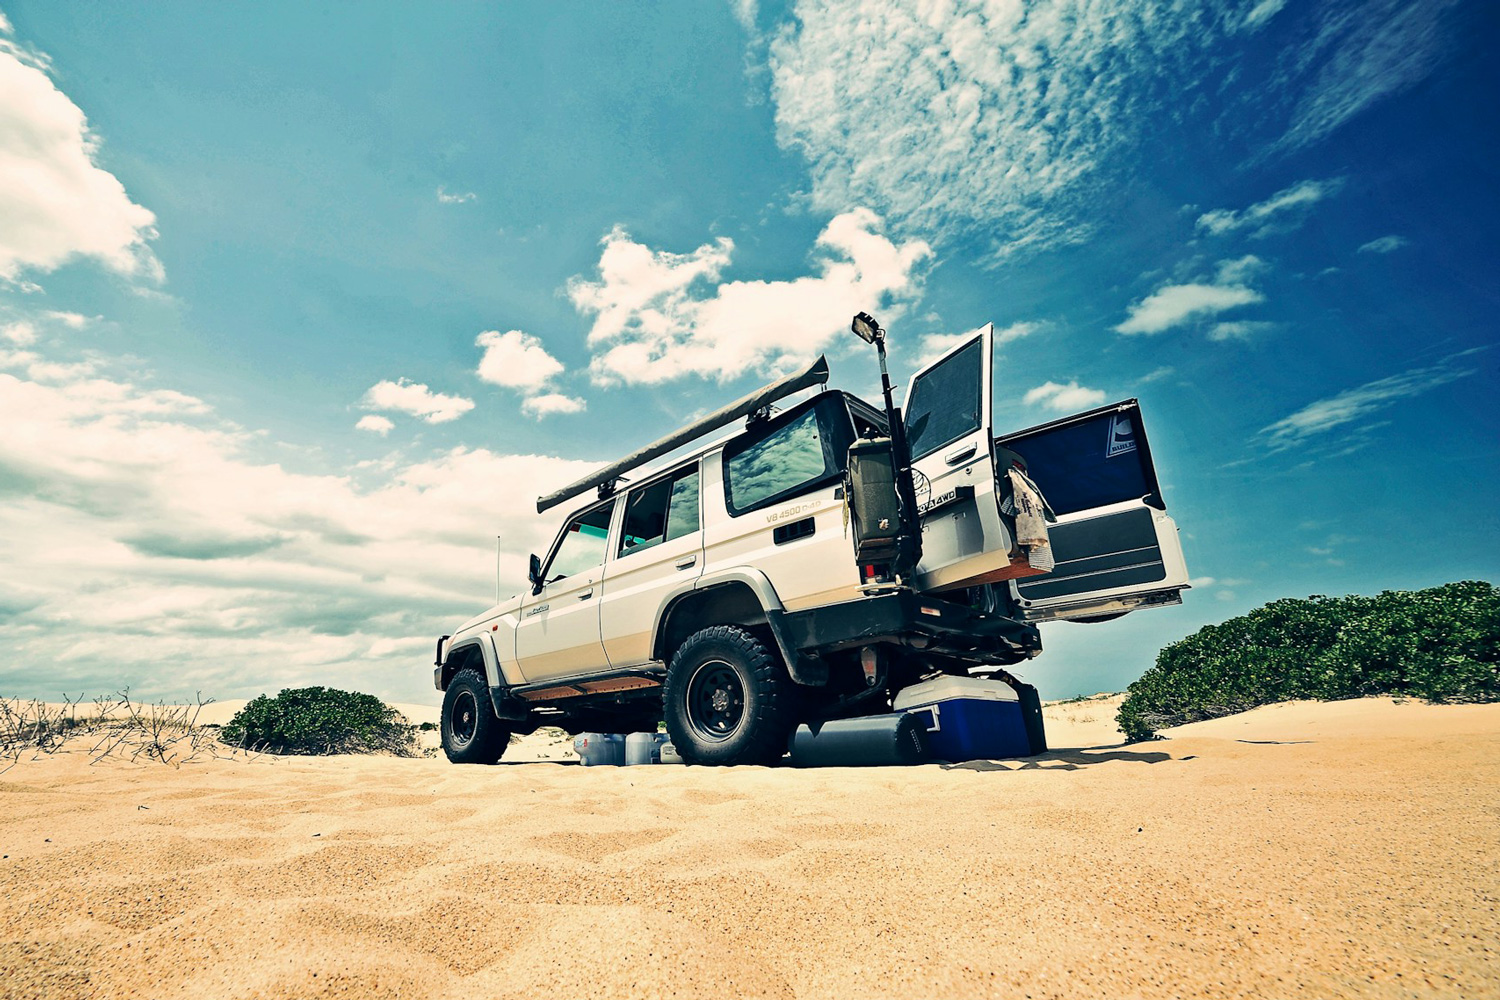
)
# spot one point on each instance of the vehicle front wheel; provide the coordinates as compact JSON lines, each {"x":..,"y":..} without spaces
{"x":727,"y":699}
{"x":472,"y":733}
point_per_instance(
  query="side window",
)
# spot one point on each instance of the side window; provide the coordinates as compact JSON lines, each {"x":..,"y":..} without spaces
{"x":793,"y":456}
{"x":945,"y":404}
{"x":582,"y":545}
{"x":665,"y":510}
{"x":682,"y":514}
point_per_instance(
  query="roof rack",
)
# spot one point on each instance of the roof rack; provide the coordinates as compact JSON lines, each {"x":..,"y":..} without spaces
{"x":815,"y":374}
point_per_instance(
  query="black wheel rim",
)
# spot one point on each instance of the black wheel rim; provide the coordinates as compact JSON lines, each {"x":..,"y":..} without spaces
{"x":715,"y":701}
{"x":463,"y":718}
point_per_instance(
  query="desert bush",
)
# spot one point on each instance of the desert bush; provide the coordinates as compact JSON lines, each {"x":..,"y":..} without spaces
{"x":117,"y":728}
{"x":1440,"y":644}
{"x":320,"y":720}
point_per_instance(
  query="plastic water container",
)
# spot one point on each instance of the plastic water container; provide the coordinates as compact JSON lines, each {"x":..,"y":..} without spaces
{"x":669,"y":754}
{"x":639,"y":747}
{"x":969,"y":718}
{"x":595,"y":749}
{"x":644,"y":748}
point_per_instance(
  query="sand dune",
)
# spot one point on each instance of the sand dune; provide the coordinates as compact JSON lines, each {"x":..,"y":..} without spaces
{"x":1332,"y":850}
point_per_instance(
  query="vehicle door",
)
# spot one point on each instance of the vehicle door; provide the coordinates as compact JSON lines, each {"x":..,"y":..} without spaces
{"x":947,"y":414}
{"x":1115,"y":547}
{"x":776,"y":492}
{"x":658,"y":549}
{"x":558,"y":634}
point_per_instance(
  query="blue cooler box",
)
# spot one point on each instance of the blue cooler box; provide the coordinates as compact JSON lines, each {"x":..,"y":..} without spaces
{"x":968,"y":718}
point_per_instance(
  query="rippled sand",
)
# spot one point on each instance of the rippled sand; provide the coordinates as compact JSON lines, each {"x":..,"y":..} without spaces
{"x":1346,"y":849}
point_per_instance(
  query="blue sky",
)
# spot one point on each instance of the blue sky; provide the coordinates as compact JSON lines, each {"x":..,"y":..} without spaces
{"x":299,"y":310}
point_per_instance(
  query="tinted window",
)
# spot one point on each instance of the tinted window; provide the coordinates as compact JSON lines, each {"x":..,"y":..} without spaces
{"x":582,"y":546}
{"x":944,"y":403}
{"x":682,"y":514}
{"x":780,"y":463}
{"x":664,"y":510}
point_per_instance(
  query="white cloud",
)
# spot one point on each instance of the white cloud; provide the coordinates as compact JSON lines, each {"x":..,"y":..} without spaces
{"x":375,"y":423}
{"x":935,"y":345}
{"x":1358,"y":403}
{"x":20,"y":333}
{"x":1174,"y":305}
{"x":56,"y":202}
{"x":1008,"y":121}
{"x":1263,"y":12}
{"x":1385,"y":244}
{"x":71,"y":320}
{"x":454,"y":199}
{"x":1282,"y":212}
{"x":1064,"y":398}
{"x":1359,"y":54}
{"x":551,"y":403}
{"x":745,"y":12}
{"x":406,"y":396}
{"x":661,"y":316}
{"x":1242,"y":329}
{"x":1156,"y":374}
{"x":149,"y":531}
{"x":516,"y":360}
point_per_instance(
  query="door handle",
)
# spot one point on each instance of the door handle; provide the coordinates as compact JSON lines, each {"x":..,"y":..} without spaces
{"x":586,"y":594}
{"x":686,"y":563}
{"x":961,"y":455}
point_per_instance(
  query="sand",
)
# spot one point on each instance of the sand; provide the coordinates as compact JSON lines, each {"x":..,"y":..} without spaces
{"x":1346,"y":849}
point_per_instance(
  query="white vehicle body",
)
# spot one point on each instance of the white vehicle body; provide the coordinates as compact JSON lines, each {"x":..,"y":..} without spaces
{"x":751,"y":533}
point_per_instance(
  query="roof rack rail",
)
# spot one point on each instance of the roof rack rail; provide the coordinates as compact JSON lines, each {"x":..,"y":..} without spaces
{"x":815,"y":374}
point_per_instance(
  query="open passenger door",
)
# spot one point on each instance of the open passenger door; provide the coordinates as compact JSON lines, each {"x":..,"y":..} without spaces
{"x":965,"y":542}
{"x":1115,"y":547}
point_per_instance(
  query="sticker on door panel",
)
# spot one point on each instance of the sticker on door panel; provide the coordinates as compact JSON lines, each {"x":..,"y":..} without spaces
{"x":1121,"y":437}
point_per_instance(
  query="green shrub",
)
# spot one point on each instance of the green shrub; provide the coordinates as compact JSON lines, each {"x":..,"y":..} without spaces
{"x":1441,"y":644}
{"x":319,"y":720}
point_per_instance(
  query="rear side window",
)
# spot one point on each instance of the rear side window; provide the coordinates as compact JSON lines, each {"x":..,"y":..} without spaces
{"x":660,"y":512}
{"x":944,"y":404}
{"x":761,"y":469}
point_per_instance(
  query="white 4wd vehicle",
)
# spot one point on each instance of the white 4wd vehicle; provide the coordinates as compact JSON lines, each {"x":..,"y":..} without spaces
{"x":758,"y":581}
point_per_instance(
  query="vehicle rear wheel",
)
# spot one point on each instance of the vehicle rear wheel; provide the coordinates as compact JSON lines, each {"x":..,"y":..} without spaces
{"x":727,"y":699}
{"x":472,"y":733}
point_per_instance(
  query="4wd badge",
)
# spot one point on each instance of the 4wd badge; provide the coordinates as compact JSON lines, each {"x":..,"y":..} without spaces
{"x":1121,"y":437}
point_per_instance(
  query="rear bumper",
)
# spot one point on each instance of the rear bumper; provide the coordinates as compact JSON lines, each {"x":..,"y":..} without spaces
{"x":906,"y":618}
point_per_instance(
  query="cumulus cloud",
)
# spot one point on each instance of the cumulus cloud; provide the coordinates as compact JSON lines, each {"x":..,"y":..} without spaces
{"x":148,"y":530}
{"x":1064,"y":398}
{"x":517,"y":360}
{"x":1007,"y":121}
{"x":375,"y":423}
{"x":550,"y":403}
{"x":447,"y":198}
{"x":1282,"y":212}
{"x":1385,"y":244}
{"x":415,"y":398}
{"x":1174,"y":305}
{"x":21,"y":333}
{"x":56,"y":201}
{"x":1356,"y":404}
{"x":660,"y":315}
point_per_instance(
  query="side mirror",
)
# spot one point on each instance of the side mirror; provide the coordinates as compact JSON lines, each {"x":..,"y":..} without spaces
{"x":534,"y":573}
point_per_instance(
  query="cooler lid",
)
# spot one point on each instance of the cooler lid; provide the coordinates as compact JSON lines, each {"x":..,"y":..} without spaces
{"x":948,"y":688}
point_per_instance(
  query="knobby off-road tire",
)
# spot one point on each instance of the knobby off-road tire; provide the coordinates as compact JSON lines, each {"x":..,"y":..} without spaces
{"x":472,"y":733}
{"x":728,"y":699}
